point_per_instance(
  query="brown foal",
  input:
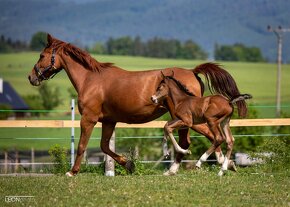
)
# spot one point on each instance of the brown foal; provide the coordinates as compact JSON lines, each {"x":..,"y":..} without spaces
{"x":214,"y":110}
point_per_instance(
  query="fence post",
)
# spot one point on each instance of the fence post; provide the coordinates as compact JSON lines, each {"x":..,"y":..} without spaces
{"x":109,"y":162}
{"x":6,"y":162}
{"x":72,"y":148}
{"x":32,"y":160}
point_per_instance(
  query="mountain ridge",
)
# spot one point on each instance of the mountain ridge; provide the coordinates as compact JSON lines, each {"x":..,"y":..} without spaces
{"x":206,"y":22}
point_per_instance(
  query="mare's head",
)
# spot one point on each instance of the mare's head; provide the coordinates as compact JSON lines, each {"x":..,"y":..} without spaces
{"x":48,"y":64}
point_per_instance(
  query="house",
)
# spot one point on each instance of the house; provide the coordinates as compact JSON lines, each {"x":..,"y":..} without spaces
{"x":9,"y":97}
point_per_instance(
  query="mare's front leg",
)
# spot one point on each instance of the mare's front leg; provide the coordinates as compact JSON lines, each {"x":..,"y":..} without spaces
{"x":87,"y":126}
{"x":107,"y":131}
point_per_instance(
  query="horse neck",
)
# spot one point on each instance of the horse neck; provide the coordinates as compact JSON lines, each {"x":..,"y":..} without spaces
{"x":175,"y":93}
{"x":76,"y":72}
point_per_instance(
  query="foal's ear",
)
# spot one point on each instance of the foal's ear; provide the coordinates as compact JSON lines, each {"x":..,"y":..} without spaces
{"x":172,"y":73}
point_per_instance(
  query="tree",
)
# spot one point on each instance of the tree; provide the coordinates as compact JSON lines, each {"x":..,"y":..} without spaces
{"x":238,"y":52}
{"x":191,"y":50}
{"x":38,"y":41}
{"x":50,"y":97}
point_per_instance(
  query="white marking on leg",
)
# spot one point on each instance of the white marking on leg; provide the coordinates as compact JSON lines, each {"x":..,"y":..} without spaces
{"x":177,"y":147}
{"x":69,"y":174}
{"x":224,"y":167}
{"x":202,"y":159}
{"x":220,"y":157}
{"x":225,"y":164}
{"x":173,"y":169}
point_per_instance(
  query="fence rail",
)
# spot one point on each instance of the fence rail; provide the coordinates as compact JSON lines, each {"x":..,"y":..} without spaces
{"x":152,"y":124}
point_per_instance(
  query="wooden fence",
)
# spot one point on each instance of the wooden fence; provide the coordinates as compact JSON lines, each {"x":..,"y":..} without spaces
{"x":152,"y":124}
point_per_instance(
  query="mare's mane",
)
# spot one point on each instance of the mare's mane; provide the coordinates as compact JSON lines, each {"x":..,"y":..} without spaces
{"x":82,"y":57}
{"x":181,"y":86}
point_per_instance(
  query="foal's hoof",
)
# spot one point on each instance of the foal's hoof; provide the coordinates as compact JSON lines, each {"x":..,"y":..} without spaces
{"x":69,"y":174}
{"x":169,"y":173}
{"x":221,"y":173}
{"x":130,"y":166}
{"x":232,"y":166}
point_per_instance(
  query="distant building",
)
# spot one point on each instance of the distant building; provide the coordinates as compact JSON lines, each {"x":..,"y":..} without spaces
{"x":9,"y":97}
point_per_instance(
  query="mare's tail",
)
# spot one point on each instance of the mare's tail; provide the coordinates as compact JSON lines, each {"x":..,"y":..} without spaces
{"x":221,"y":82}
{"x":240,"y":98}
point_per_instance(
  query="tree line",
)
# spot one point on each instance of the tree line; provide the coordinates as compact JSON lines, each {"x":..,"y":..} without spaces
{"x":154,"y":47}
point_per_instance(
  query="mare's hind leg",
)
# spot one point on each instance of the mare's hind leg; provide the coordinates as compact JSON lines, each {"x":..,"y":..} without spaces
{"x":86,"y":130}
{"x":107,"y":131}
{"x":230,"y":144}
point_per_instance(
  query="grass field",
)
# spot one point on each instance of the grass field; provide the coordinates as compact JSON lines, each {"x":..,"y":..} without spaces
{"x":259,"y":79}
{"x":194,"y":188}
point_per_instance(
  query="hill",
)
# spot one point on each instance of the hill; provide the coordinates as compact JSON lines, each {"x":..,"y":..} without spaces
{"x":204,"y":21}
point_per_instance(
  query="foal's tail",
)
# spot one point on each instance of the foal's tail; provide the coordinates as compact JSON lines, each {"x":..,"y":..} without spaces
{"x":240,"y":98}
{"x":221,"y":82}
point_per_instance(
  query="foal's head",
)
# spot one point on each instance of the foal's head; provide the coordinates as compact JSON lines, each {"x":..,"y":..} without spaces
{"x":165,"y":86}
{"x":161,"y":92}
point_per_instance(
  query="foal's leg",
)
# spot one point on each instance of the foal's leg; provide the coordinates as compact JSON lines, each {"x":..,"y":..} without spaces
{"x":218,"y":139}
{"x":168,"y":131}
{"x":230,"y":144}
{"x":204,"y":130}
{"x":184,"y":142}
{"x":86,"y":130}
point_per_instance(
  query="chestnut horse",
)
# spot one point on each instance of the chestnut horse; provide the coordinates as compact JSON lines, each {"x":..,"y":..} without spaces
{"x":109,"y":94}
{"x":215,"y":110}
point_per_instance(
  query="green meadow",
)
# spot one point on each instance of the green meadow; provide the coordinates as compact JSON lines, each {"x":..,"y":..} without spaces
{"x":258,"y":79}
{"x":202,"y":188}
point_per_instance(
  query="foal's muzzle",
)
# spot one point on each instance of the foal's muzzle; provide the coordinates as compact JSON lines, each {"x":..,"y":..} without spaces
{"x":154,"y":99}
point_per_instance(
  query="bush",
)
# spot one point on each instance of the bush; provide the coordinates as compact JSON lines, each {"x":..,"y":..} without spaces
{"x":7,"y":111}
{"x":59,"y":156}
{"x":276,"y":154}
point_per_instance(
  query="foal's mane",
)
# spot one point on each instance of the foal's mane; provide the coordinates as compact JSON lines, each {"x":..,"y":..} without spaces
{"x":181,"y":86}
{"x":83,"y":57}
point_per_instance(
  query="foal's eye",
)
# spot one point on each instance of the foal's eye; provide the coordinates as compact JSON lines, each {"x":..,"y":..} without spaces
{"x":41,"y":56}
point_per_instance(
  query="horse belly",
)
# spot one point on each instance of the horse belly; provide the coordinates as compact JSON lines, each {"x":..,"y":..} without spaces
{"x":132,"y":114}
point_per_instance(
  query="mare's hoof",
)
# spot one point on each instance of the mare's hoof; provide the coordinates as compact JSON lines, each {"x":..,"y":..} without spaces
{"x":188,"y":152}
{"x":130,"y":166}
{"x":69,"y":174}
{"x":232,"y":166}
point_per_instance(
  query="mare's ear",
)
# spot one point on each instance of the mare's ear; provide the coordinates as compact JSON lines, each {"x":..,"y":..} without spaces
{"x":49,"y":39}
